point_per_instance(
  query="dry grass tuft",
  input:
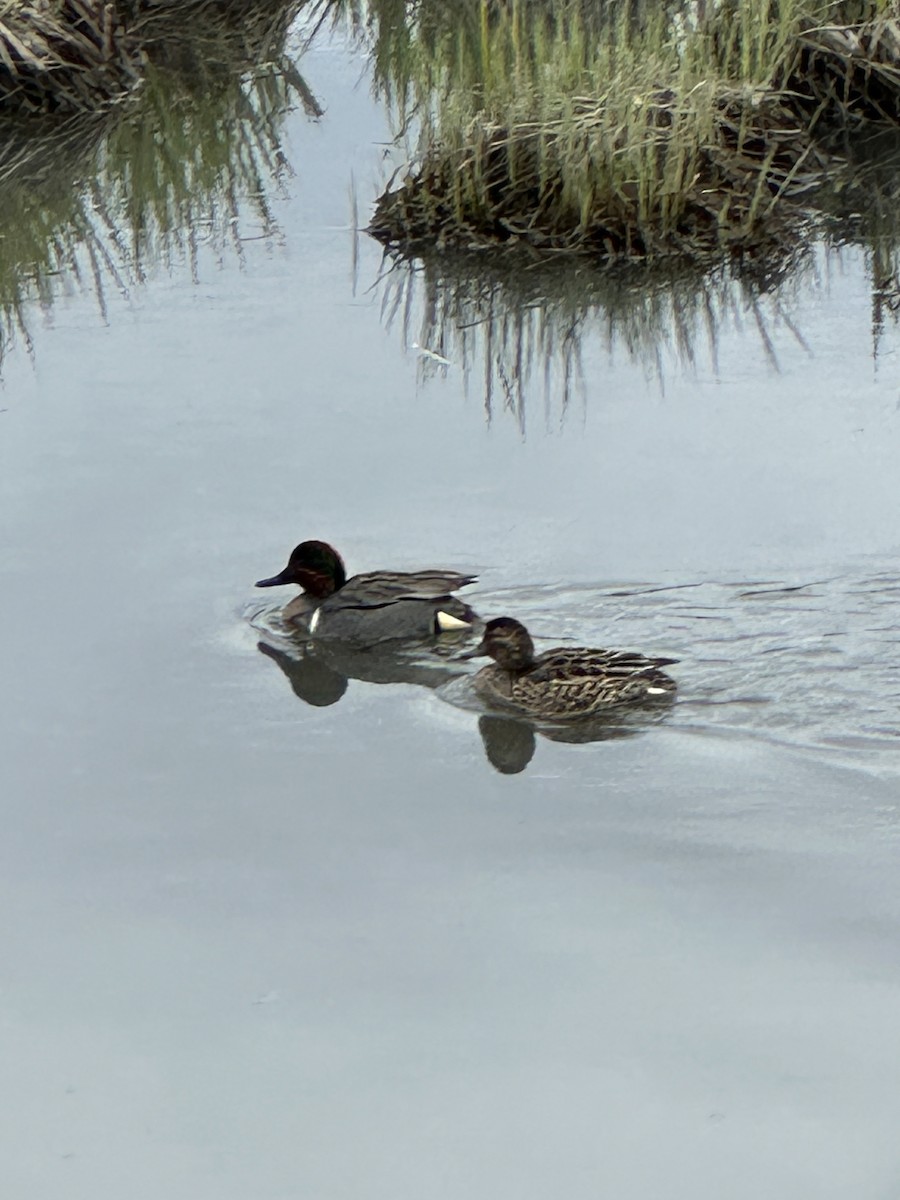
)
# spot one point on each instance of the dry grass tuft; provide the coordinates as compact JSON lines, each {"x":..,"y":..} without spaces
{"x":851,"y":72}
{"x":72,"y":56}
{"x":81,"y":56}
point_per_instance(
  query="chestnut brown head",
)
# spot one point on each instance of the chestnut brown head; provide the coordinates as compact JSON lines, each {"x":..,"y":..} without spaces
{"x":314,"y":566}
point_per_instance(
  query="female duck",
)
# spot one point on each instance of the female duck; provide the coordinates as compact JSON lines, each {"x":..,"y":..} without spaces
{"x":564,"y":683}
{"x":374,"y":607}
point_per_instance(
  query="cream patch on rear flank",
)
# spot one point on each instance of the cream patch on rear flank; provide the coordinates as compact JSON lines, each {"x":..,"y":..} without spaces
{"x":446,"y":623}
{"x":314,"y":620}
{"x":652,"y":691}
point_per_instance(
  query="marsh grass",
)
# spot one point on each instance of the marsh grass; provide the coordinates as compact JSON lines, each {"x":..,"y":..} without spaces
{"x":516,"y":325}
{"x":623,"y":129}
{"x":84,"y":56}
{"x":188,"y":165}
{"x":65,"y":56}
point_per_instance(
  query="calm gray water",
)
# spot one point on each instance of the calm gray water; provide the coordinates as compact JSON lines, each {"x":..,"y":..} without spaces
{"x":275,"y":938}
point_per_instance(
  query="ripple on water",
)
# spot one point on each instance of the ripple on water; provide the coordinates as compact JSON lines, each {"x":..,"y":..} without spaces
{"x":813,"y":663}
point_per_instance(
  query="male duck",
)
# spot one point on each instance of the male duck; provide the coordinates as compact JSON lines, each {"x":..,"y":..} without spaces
{"x":564,"y":683}
{"x":374,"y":607}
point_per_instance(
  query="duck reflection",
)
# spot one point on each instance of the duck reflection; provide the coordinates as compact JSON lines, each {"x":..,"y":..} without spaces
{"x":510,"y":742}
{"x":312,"y":680}
{"x":319,"y":674}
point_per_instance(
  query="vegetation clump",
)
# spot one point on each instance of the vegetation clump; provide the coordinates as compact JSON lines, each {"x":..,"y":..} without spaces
{"x":83,"y":56}
{"x":74,"y":55}
{"x":618,"y":129}
{"x":632,"y":130}
{"x":96,"y":199}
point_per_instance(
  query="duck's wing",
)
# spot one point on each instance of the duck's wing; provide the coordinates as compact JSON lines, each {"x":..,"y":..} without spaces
{"x":566,"y":683}
{"x":374,"y":589}
{"x":576,"y":663}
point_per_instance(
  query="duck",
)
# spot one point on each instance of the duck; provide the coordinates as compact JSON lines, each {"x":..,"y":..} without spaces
{"x":565,"y":683}
{"x":372,"y":607}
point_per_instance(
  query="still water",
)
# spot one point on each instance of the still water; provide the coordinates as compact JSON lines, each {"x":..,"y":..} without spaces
{"x":274,"y":938}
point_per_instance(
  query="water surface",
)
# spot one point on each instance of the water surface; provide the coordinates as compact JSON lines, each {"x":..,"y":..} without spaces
{"x":258,"y":946}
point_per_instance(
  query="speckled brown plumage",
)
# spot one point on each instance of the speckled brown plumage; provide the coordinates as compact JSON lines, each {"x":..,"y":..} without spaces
{"x":566,"y":682}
